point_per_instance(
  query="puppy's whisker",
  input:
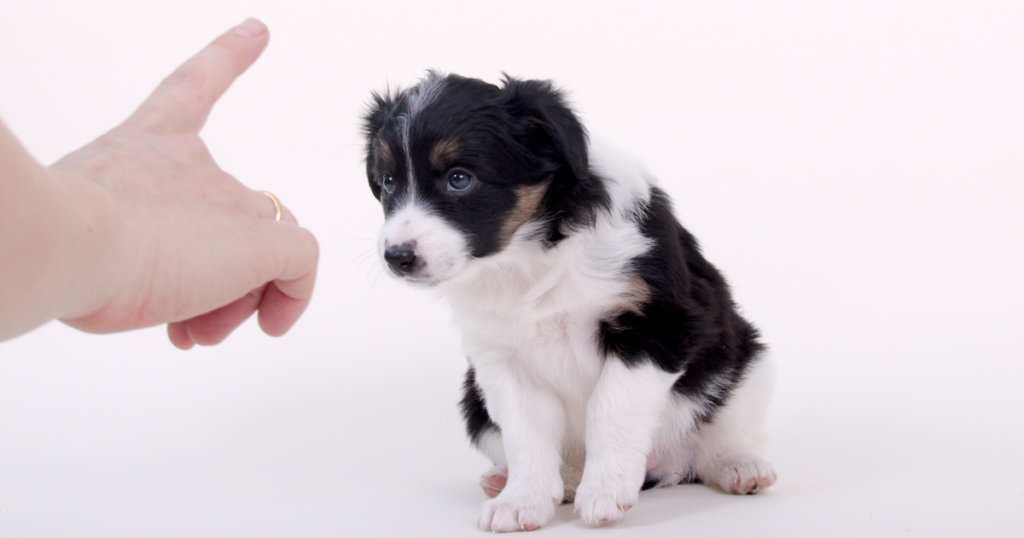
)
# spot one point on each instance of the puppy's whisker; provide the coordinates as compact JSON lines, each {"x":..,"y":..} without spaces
{"x":376,"y":279}
{"x":368,"y":255}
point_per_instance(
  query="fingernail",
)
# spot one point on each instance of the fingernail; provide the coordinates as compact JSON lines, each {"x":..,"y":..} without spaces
{"x":250,"y":28}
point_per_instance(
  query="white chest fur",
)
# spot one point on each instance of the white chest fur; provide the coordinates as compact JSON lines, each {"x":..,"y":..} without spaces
{"x":530,"y":315}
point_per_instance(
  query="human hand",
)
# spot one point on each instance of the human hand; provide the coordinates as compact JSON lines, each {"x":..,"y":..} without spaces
{"x":190,"y":245}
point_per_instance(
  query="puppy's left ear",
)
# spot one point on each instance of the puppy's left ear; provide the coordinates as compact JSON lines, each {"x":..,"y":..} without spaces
{"x":554,"y":132}
{"x":379,"y":109}
{"x":380,"y":106}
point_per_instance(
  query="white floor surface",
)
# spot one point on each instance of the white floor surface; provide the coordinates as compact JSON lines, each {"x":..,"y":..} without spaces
{"x":855,"y":169}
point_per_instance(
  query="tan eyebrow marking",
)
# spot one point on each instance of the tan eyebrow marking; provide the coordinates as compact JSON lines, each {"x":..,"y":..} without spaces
{"x":384,"y":154}
{"x":443,"y":153}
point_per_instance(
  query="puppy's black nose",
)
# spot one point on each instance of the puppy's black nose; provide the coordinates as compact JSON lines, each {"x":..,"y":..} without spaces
{"x":401,"y":258}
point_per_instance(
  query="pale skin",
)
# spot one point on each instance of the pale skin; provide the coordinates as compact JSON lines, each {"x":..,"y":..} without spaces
{"x":141,"y":227}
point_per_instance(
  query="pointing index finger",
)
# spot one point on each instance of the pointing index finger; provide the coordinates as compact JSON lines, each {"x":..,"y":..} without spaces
{"x":182,"y":102}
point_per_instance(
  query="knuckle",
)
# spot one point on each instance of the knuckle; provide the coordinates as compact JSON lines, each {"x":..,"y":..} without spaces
{"x":229,"y":55}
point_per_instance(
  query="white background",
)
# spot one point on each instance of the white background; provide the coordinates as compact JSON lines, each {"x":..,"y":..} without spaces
{"x":856,"y":169}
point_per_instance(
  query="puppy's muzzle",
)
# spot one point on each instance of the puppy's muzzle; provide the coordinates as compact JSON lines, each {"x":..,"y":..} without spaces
{"x":402,"y":258}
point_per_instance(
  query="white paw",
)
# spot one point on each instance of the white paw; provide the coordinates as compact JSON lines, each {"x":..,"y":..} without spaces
{"x":745,"y":474}
{"x":509,"y":512}
{"x":494,"y":481}
{"x":604,"y":502}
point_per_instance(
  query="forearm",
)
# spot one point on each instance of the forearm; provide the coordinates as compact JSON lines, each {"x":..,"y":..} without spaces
{"x":51,"y":230}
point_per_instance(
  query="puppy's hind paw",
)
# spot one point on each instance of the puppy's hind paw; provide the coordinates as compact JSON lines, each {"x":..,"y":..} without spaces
{"x":494,"y":481}
{"x":745,"y":475}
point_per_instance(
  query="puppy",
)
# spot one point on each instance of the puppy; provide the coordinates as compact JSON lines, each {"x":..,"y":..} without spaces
{"x":606,"y":354}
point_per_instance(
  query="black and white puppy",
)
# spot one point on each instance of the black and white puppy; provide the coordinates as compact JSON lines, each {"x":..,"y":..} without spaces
{"x":605,"y":353}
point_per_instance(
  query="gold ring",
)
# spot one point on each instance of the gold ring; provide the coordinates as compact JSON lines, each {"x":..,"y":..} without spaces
{"x":277,"y":205}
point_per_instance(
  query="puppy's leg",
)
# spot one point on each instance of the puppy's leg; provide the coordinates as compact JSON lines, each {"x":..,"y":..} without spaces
{"x":532,"y":422}
{"x":729,"y":449}
{"x":493,"y":481}
{"x":622,"y":416}
{"x":485,"y":435}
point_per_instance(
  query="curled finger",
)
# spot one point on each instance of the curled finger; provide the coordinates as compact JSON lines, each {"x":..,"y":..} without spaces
{"x":213,"y":327}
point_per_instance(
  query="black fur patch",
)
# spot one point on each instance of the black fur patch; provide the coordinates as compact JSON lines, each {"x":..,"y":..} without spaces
{"x":474,"y":410}
{"x":650,"y":483}
{"x":690,"y":322}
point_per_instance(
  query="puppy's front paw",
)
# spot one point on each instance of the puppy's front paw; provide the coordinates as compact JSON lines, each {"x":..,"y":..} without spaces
{"x":604,"y":502}
{"x":509,"y":512}
{"x":744,"y":474}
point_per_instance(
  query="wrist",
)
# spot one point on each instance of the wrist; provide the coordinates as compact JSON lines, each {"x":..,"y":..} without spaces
{"x":89,"y":252}
{"x":42,"y":246}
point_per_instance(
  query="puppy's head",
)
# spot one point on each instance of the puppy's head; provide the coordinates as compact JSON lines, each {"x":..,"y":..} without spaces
{"x":459,"y":165}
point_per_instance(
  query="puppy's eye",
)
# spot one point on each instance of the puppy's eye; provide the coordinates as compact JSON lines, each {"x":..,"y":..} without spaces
{"x":388,"y":183}
{"x":459,"y":180}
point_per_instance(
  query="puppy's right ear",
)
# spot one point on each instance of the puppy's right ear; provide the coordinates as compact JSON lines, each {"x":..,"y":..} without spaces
{"x":381,"y":108}
{"x":555,"y":132}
